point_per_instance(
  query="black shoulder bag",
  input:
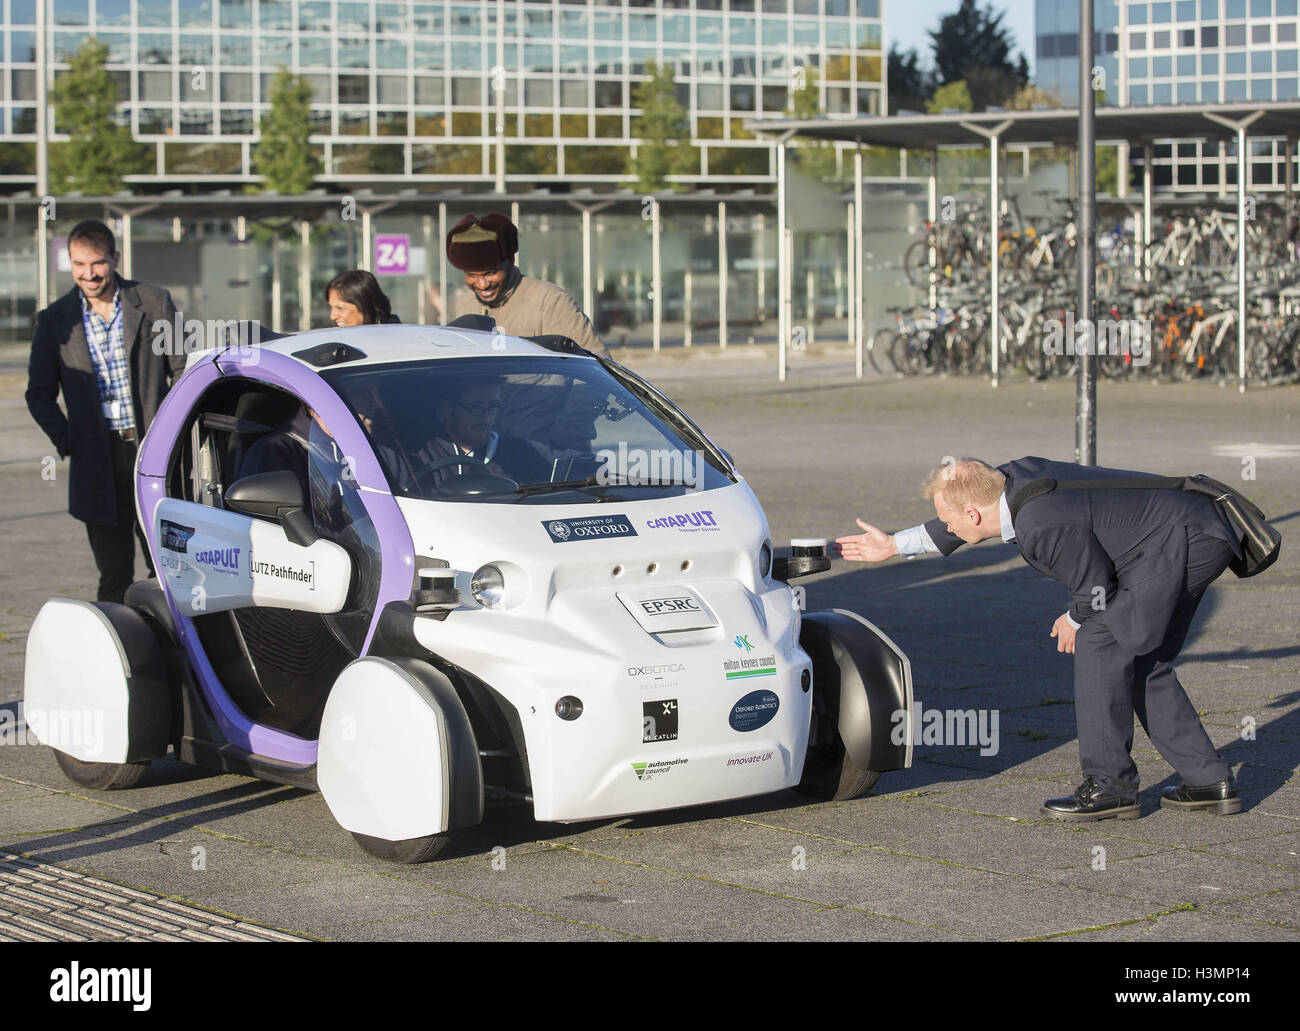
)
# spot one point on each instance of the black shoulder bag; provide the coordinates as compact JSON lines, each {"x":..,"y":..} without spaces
{"x":1260,"y":543}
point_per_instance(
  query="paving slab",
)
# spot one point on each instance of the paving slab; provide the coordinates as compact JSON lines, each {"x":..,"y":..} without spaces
{"x":1173,"y":877}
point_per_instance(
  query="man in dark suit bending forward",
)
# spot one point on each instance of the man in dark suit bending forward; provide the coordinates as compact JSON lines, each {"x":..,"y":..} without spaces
{"x":1136,"y":563}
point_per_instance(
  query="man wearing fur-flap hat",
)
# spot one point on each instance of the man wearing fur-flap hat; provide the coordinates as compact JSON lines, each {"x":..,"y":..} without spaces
{"x":484,"y":248}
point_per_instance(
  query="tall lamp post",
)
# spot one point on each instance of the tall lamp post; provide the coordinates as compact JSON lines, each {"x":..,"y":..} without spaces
{"x":42,"y":166}
{"x":1085,"y":430}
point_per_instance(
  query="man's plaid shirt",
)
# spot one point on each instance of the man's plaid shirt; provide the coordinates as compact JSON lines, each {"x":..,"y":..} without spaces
{"x":107,"y":347}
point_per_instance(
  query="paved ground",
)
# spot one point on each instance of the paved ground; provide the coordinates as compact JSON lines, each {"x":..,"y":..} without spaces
{"x":952,"y":849}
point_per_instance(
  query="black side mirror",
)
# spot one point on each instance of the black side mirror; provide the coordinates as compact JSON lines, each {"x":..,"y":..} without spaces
{"x":275,"y":495}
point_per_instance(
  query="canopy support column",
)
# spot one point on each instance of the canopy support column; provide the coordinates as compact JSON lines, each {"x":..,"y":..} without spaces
{"x":1243,"y":176}
{"x":859,"y":279}
{"x":995,"y":204}
{"x":722,"y":275}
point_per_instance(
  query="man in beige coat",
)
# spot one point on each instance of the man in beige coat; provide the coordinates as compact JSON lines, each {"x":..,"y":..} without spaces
{"x":484,"y":248}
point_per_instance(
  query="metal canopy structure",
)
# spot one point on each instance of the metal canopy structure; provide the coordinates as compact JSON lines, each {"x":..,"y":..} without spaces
{"x":997,"y":128}
{"x":431,"y":210}
{"x":1054,"y":126}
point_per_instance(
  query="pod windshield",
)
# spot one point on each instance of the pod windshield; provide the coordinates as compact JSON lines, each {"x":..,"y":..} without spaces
{"x":534,"y":429}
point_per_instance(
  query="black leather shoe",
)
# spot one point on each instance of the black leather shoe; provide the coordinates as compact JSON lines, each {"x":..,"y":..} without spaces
{"x":1091,"y":801}
{"x":1221,"y":797}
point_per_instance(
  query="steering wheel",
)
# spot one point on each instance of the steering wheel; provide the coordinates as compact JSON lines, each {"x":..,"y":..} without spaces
{"x":475,"y":481}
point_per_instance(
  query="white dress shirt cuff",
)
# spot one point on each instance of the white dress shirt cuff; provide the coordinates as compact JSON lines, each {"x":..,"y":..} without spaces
{"x":913,"y":541}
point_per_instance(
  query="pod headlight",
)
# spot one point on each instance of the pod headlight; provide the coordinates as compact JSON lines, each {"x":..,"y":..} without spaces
{"x":488,"y":586}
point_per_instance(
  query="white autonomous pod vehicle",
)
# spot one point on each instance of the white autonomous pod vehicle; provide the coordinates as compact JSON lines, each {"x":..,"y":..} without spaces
{"x":422,"y":568}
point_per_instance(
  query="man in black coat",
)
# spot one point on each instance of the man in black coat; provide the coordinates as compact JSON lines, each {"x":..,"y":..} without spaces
{"x":1136,"y":563}
{"x":95,"y":344}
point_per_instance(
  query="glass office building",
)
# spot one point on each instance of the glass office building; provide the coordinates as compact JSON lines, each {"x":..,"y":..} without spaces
{"x":411,"y":92}
{"x":1182,"y":52}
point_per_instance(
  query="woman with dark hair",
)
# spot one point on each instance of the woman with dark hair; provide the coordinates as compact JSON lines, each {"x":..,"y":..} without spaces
{"x":355,"y":299}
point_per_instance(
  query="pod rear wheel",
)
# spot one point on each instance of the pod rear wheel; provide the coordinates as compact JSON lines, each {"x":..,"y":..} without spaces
{"x":101,"y":776}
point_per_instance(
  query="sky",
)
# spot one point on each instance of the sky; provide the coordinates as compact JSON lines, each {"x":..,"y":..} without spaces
{"x":908,"y":23}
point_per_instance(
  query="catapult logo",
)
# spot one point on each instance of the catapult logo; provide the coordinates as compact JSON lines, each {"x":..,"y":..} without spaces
{"x":103,"y":984}
{"x":960,"y":727}
{"x":219,"y":560}
{"x":563,"y":531}
{"x":687,"y":522}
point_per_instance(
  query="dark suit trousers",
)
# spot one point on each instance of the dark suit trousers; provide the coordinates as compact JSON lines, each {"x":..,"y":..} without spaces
{"x":1111,"y":685}
{"x":114,"y":546}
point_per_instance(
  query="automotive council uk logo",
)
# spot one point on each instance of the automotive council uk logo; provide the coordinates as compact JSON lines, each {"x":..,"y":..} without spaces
{"x":589,"y":528}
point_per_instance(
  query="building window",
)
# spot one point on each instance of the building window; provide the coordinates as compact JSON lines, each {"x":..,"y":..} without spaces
{"x":429,"y":90}
{"x":1209,"y":36}
{"x":1136,"y":41}
{"x":1187,"y":37}
{"x":1234,"y":36}
{"x":354,"y":89}
{"x":1160,"y":40}
{"x":237,"y":122}
{"x":1259,"y":34}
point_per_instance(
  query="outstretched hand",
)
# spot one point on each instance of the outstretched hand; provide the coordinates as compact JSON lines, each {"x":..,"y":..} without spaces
{"x":873,"y":545}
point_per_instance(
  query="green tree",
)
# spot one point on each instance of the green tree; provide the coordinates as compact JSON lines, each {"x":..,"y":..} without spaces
{"x":664,"y":129}
{"x":973,"y":45}
{"x":953,"y":96}
{"x":813,"y":158}
{"x":283,"y":156}
{"x":910,"y":85}
{"x":99,"y":152}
